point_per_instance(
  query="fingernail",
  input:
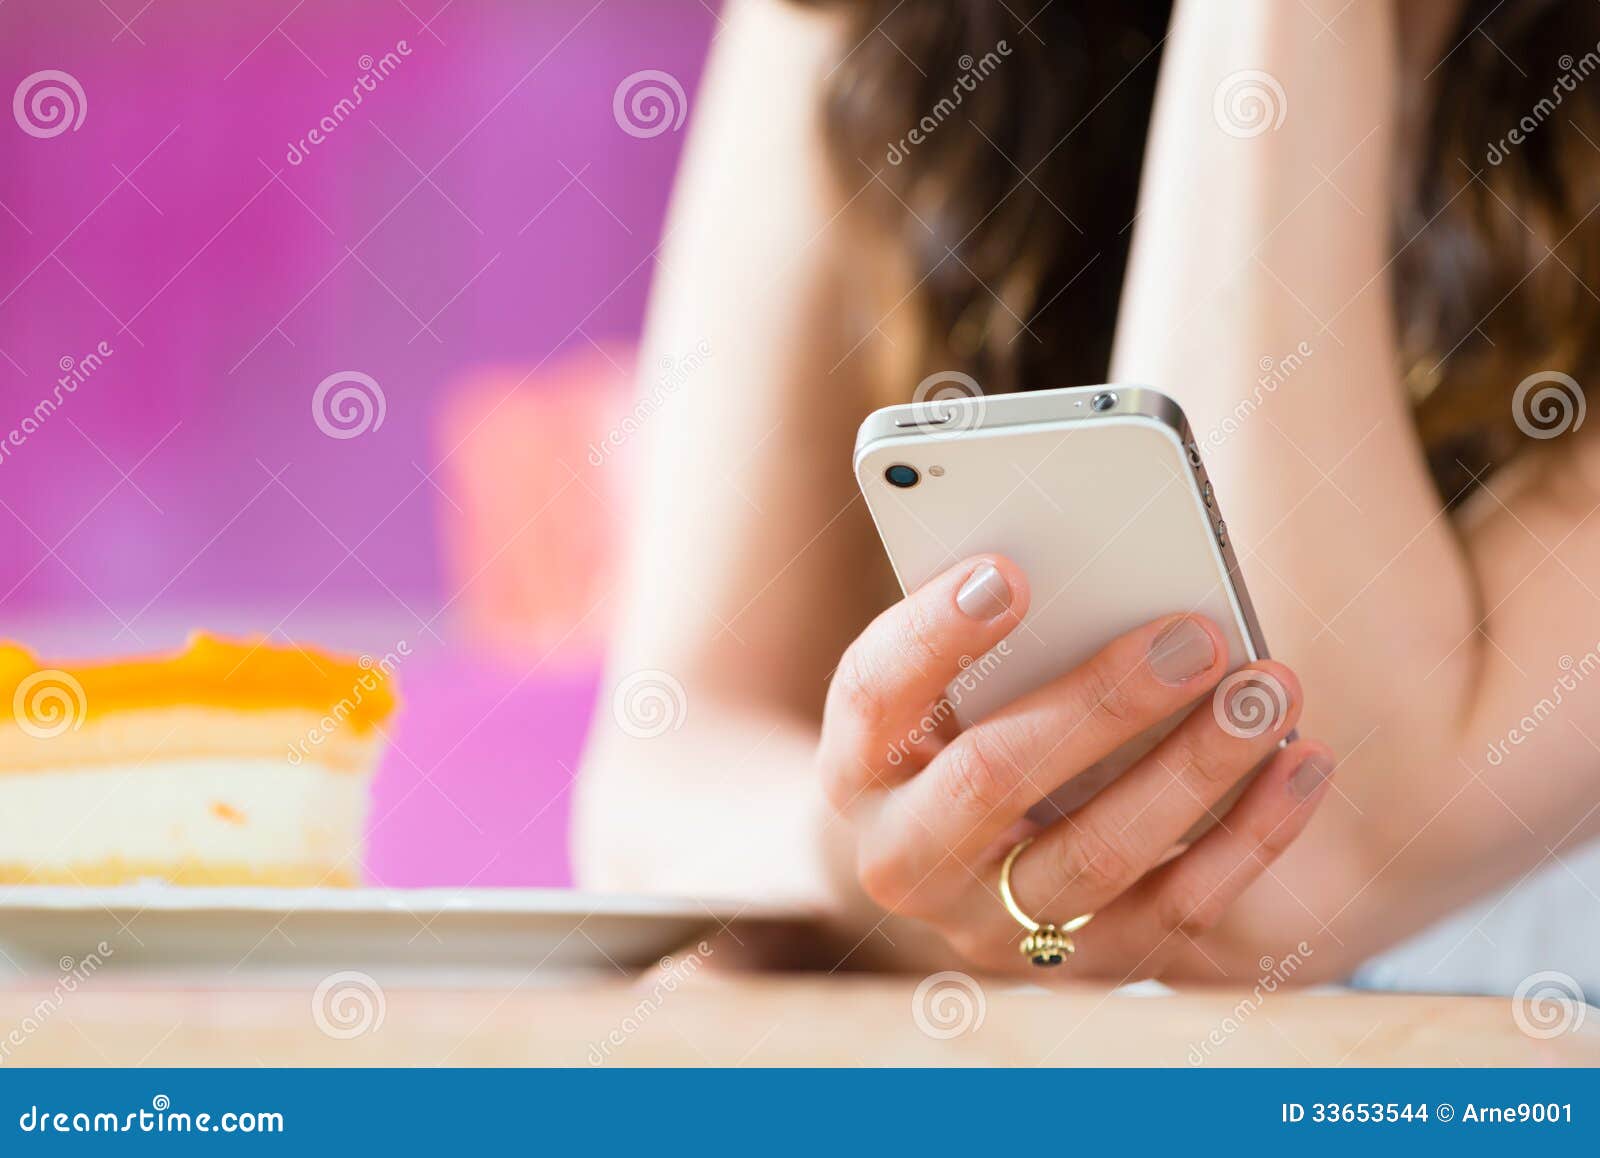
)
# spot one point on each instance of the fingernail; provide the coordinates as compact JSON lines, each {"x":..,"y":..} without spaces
{"x":985,"y":594}
{"x":1182,"y":651}
{"x":1307,"y":778}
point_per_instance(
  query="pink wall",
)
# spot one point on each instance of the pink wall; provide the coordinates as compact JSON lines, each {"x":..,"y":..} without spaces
{"x":228,"y":282}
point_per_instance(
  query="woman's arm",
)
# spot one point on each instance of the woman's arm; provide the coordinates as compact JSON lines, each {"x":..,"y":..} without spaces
{"x":1259,"y":294}
{"x":755,"y":570}
{"x":752,"y":558}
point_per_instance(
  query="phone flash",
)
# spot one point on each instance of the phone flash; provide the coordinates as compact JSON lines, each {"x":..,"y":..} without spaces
{"x":936,"y":471}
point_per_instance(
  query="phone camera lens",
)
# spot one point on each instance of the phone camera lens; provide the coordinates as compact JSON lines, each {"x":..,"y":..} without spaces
{"x":1103,"y":401}
{"x":901,"y":475}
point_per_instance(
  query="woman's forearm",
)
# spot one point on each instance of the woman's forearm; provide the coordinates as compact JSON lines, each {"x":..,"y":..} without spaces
{"x":744,"y":515}
{"x":1259,"y":295}
{"x":732,"y":808}
{"x":726,"y":806}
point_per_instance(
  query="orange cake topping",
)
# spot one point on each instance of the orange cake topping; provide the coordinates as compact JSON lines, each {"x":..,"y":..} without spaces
{"x":239,"y":674}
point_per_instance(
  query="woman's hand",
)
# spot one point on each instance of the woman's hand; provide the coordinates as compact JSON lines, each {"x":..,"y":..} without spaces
{"x":935,"y":816}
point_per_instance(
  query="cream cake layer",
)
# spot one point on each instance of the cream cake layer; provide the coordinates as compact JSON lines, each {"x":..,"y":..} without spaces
{"x":187,"y":821}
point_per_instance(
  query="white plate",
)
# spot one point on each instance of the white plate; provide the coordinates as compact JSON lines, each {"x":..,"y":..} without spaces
{"x":47,"y":930}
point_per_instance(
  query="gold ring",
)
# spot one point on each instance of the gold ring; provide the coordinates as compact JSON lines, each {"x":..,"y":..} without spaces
{"x":1045,"y":944}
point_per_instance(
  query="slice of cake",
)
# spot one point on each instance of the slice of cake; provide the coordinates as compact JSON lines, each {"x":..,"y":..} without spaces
{"x":229,"y":763}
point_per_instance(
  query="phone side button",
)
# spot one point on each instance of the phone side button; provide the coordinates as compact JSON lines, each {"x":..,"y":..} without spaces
{"x":1222,"y":534}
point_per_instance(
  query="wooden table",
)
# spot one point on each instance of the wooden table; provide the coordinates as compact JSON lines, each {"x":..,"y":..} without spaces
{"x":760,"y":1019}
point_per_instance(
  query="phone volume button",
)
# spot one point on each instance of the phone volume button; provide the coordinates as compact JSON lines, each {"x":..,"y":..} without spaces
{"x":1222,"y":534}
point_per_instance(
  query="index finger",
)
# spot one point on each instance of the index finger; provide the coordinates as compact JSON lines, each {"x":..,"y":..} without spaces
{"x":897,"y":668}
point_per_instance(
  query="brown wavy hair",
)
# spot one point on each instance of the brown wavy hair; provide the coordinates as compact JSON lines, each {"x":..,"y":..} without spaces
{"x":1016,"y":208}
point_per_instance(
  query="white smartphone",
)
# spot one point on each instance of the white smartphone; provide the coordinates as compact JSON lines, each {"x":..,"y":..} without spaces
{"x":1098,"y":493}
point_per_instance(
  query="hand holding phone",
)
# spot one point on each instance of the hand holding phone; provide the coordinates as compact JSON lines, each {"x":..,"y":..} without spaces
{"x":953,"y":715}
